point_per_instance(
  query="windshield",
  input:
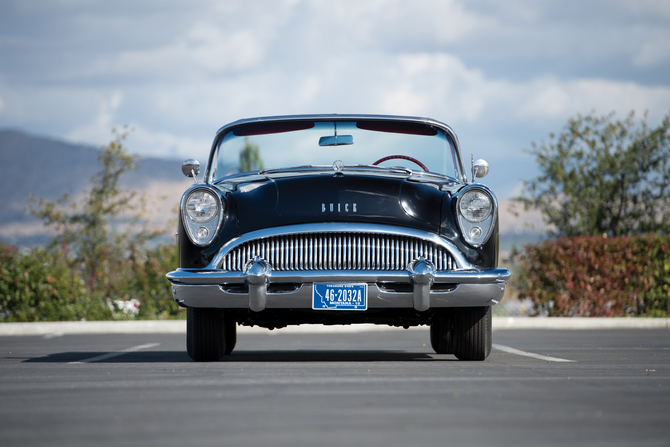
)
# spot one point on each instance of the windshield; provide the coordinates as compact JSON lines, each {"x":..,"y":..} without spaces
{"x":270,"y":145}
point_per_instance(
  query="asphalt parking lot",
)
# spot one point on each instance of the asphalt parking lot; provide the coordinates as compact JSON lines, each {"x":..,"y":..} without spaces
{"x":387,"y":387}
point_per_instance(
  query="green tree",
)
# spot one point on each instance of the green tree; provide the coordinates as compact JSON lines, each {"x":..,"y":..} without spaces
{"x":250,"y":157}
{"x":109,"y":221}
{"x":602,"y":176}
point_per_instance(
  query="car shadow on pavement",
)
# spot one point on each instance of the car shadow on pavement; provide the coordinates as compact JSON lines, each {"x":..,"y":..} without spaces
{"x":309,"y":355}
{"x":299,"y":356}
{"x":126,"y":357}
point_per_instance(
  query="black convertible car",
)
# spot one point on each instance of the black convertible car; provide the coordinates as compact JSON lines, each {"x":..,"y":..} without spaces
{"x":338,"y":219}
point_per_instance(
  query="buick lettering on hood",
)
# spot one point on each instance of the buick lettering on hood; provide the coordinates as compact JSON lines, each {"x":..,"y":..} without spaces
{"x":338,"y":219}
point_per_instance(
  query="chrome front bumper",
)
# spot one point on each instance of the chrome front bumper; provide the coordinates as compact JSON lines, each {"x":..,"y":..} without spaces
{"x":212,"y":288}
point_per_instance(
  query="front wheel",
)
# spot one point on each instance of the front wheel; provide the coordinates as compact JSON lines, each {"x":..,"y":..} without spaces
{"x":472,"y":333}
{"x":230,"y":333}
{"x":205,"y":334}
{"x":442,"y":333}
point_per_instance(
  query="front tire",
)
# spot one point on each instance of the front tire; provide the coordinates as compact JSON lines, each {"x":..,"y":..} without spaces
{"x":472,"y":333}
{"x":230,"y":333}
{"x":442,"y":333}
{"x":205,"y":334}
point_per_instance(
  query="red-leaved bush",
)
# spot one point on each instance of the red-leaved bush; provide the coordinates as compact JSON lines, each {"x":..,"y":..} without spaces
{"x":591,"y":276}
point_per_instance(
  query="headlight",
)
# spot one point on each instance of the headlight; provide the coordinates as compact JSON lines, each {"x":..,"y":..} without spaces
{"x":476,"y":215}
{"x":202,"y":212}
{"x":475,"y":206}
{"x":202,"y":206}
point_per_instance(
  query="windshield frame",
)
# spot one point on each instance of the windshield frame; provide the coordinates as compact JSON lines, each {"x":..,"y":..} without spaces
{"x":223,"y":131}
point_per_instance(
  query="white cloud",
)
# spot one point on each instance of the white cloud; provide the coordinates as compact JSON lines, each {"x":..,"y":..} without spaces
{"x":177,"y":73}
{"x":396,"y":23}
{"x":99,"y":128}
{"x":174,"y":120}
{"x":162,"y":144}
{"x":205,"y":52}
{"x":550,"y":97}
{"x":654,"y":51}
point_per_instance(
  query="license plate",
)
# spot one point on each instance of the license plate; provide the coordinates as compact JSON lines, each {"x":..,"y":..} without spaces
{"x":328,"y":296}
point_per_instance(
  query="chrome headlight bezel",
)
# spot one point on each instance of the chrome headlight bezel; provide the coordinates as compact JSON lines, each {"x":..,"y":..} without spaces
{"x":202,"y":206}
{"x":202,"y":231}
{"x":475,"y":206}
{"x":476,"y":225}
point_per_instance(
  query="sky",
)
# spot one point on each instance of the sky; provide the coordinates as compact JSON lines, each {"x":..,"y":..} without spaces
{"x":501,"y":74}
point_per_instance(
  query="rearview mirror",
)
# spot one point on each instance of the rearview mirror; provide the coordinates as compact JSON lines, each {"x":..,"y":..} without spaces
{"x":336,"y":140}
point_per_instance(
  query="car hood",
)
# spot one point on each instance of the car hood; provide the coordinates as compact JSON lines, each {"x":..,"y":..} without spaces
{"x":327,"y":197}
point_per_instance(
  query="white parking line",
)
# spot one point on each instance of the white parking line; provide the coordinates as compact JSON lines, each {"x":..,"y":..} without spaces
{"x":50,"y":336}
{"x":530,"y":354}
{"x":115,"y":354}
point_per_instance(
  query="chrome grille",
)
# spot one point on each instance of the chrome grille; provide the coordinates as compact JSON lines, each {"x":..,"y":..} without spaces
{"x":337,"y":251}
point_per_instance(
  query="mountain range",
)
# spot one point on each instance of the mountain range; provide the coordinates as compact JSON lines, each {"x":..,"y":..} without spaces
{"x":48,"y":168}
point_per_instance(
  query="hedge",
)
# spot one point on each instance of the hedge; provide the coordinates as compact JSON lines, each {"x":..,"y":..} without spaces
{"x":46,"y":285}
{"x":41,"y":286}
{"x":592,"y":276}
{"x":143,"y":278}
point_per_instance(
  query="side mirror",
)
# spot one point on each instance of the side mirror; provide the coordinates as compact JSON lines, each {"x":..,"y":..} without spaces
{"x":191,"y":168}
{"x":480,"y":168}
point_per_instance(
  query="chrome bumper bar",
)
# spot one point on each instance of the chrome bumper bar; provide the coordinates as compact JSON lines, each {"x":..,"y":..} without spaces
{"x":207,"y":288}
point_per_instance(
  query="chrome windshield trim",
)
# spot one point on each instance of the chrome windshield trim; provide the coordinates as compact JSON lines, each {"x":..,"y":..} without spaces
{"x":229,"y":183}
{"x":335,"y":117}
{"x":345,"y":168}
{"x":342,"y":227}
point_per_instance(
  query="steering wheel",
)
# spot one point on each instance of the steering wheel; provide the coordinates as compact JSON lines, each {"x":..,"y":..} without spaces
{"x":401,"y":157}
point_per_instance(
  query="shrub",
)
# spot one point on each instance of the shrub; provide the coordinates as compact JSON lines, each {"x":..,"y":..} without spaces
{"x":145,"y":281}
{"x":596,"y":276}
{"x":41,"y":285}
{"x":47,"y":285}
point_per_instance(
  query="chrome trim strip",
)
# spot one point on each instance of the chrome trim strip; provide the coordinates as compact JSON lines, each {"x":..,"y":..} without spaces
{"x":464,"y":295}
{"x":218,"y":277}
{"x":343,"y":227}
